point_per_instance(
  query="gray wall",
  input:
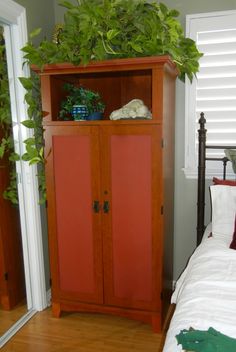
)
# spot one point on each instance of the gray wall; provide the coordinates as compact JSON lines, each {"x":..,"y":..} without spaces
{"x":45,"y":13}
{"x":59,"y":11}
{"x":40,"y":14}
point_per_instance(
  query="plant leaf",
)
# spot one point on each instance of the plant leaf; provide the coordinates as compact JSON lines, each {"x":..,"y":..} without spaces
{"x":26,"y":82}
{"x":35,"y":32}
{"x":28,"y":123}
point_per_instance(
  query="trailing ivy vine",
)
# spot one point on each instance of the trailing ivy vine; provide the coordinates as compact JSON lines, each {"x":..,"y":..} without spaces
{"x":6,"y":140}
{"x":34,"y":146}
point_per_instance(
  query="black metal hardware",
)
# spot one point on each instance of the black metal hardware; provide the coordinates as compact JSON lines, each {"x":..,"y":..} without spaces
{"x":96,"y":206}
{"x":106,"y":206}
{"x":201,"y":177}
{"x":6,"y":276}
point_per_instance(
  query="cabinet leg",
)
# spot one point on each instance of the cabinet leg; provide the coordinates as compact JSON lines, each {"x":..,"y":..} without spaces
{"x":56,"y":310}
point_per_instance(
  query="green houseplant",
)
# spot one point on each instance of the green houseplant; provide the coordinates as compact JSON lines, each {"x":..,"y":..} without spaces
{"x":80,"y":96}
{"x":6,"y":139}
{"x":106,"y":29}
{"x":103,"y":30}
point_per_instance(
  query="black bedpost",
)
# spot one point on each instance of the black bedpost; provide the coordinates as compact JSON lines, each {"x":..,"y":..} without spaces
{"x":201,"y":178}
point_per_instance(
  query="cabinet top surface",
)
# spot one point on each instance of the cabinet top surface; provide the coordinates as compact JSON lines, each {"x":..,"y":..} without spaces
{"x":110,"y":65}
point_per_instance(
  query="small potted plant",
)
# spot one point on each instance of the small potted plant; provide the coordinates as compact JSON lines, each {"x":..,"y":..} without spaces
{"x":81,"y":104}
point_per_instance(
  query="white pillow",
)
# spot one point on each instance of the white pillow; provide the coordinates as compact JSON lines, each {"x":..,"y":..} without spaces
{"x":223,"y":200}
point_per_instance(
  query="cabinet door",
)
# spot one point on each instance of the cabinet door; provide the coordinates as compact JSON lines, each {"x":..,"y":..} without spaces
{"x":73,"y":181}
{"x":132,"y":226}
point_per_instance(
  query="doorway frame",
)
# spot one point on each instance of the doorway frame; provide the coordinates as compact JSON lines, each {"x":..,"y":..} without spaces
{"x":13,"y":19}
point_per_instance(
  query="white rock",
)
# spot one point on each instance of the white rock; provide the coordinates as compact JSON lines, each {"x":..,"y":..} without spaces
{"x":133,"y":109}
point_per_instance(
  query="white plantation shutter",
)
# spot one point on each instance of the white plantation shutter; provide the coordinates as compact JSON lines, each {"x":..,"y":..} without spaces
{"x":214,"y":90}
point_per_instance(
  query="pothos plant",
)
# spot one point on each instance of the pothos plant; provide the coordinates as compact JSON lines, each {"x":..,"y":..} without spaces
{"x":106,"y":29}
{"x":6,"y":140}
{"x":34,"y":144}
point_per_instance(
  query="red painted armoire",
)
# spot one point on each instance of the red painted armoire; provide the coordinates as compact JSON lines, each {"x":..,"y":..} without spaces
{"x":110,"y":191}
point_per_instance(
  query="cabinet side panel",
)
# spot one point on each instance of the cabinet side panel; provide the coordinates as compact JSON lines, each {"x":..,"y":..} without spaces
{"x":73,"y":208}
{"x":131,"y":220}
{"x":168,"y":178}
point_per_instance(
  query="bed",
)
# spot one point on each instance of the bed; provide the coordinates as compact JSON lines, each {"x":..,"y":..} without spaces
{"x":205,"y":293}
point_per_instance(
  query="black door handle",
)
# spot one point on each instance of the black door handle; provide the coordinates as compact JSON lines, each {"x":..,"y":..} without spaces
{"x":96,"y":206}
{"x":106,"y":206}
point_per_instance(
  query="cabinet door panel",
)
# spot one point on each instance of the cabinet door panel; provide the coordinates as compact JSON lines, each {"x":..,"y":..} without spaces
{"x":74,"y":216}
{"x":75,"y":158}
{"x":131,"y":225}
{"x":131,"y":215}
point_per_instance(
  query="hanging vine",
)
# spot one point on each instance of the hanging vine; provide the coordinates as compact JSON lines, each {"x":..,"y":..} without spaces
{"x":34,"y":145}
{"x":6,"y":139}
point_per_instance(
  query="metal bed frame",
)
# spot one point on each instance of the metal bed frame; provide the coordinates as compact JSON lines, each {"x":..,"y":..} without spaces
{"x":202,"y":173}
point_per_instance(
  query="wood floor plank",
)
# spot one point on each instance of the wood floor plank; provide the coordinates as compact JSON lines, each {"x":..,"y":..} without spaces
{"x":10,"y":317}
{"x":84,"y":332}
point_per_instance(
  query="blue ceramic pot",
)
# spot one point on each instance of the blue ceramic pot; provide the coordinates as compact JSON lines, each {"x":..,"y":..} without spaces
{"x":97,"y":115}
{"x":79,"y":112}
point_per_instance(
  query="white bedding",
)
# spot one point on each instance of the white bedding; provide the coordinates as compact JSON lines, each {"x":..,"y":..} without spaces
{"x":205,"y":294}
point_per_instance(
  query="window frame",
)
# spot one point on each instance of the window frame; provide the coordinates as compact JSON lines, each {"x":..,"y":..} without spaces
{"x":191,"y":147}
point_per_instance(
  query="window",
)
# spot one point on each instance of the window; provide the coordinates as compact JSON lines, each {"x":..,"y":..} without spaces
{"x":214,"y":90}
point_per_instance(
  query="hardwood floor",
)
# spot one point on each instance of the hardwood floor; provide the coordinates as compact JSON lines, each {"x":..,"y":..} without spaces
{"x":84,"y":332}
{"x":9,"y":317}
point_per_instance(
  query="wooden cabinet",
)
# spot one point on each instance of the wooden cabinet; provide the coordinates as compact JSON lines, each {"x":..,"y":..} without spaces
{"x":110,"y":191}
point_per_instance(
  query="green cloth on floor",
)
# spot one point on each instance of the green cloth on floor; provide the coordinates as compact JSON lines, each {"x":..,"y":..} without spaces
{"x":210,"y":340}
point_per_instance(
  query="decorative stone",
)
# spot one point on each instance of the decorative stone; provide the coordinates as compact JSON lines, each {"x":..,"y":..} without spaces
{"x":133,"y":109}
